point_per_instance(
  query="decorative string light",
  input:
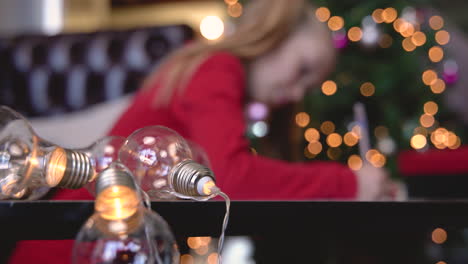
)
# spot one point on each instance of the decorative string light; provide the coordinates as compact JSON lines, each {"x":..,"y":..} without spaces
{"x":442,"y":37}
{"x":354,"y":162}
{"x":377,"y":15}
{"x":436,"y":54}
{"x":436,"y":22}
{"x":389,"y":14}
{"x":327,"y":127}
{"x":302,"y":119}
{"x":418,"y":38}
{"x":335,"y":23}
{"x":439,"y":236}
{"x":418,"y":141}
{"x":355,"y":34}
{"x":329,"y":87}
{"x":322,"y":14}
{"x":312,"y":135}
{"x":438,"y":86}
{"x":367,"y":89}
{"x":334,"y":140}
{"x":431,"y":108}
{"x":350,"y":139}
{"x":429,"y":77}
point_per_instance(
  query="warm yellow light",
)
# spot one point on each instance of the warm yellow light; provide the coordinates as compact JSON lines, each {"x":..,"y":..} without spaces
{"x":377,"y":15}
{"x":335,"y":23}
{"x":408,"y":44}
{"x":381,"y":132}
{"x":302,"y":119}
{"x":355,"y":34}
{"x":194,"y":242}
{"x":429,"y":77}
{"x":211,"y":27}
{"x":213,"y":258}
{"x":329,"y":87}
{"x":451,"y":139}
{"x":456,"y":145}
{"x":334,"y":153}
{"x":117,"y":203}
{"x":438,"y":86}
{"x":418,"y":141}
{"x":436,"y":54}
{"x":371,"y":153}
{"x":441,"y":262}
{"x":418,"y":38}
{"x":312,"y":135}
{"x":322,"y":14}
{"x":356,"y":130}
{"x":350,"y":139}
{"x":230,"y":2}
{"x":431,"y":108}
{"x":204,"y":241}
{"x":355,"y":162}
{"x":378,"y":160}
{"x":408,"y":30}
{"x":314,"y":147}
{"x":235,"y":10}
{"x":327,"y":127}
{"x":186,"y":259}
{"x":439,"y":137}
{"x":400,"y":25}
{"x":208,"y":187}
{"x":439,"y":236}
{"x":426,"y":120}
{"x":367,"y":89}
{"x":56,"y":167}
{"x":389,"y":14}
{"x":436,"y":22}
{"x":442,"y":37}
{"x":334,"y":140}
{"x":386,"y":41}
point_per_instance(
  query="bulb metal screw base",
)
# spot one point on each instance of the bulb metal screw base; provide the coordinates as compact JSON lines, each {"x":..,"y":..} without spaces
{"x":185,"y":176}
{"x":114,"y":176}
{"x":78,"y":171}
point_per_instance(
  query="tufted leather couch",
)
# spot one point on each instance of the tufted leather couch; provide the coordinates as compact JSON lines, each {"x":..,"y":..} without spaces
{"x":41,"y":76}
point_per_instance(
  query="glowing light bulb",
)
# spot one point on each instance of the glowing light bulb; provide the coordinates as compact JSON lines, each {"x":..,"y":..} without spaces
{"x":122,"y":230}
{"x":163,"y":164}
{"x":30,"y":166}
{"x":212,"y":27}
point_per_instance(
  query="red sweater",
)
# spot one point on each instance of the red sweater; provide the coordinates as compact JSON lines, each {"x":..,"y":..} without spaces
{"x":210,"y":112}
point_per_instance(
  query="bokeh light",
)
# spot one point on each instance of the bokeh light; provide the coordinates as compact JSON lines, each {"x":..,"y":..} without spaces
{"x":426,"y":120}
{"x":418,"y":141}
{"x":367,"y":89}
{"x":431,"y":108}
{"x":442,"y":37}
{"x":385,"y":41}
{"x":213,"y":258}
{"x":335,"y":23}
{"x":436,"y":22}
{"x":235,"y":10}
{"x":438,"y":86}
{"x":327,"y":127}
{"x":230,"y":2}
{"x":322,"y":14}
{"x":418,"y":38}
{"x":312,"y":135}
{"x":439,"y":236}
{"x":389,"y":14}
{"x":350,"y":139}
{"x":354,"y":162}
{"x":329,"y":87}
{"x":377,"y":15}
{"x":429,"y":77}
{"x":408,"y":45}
{"x":436,"y":54}
{"x":186,"y":259}
{"x":334,"y":140}
{"x":302,"y":119}
{"x":355,"y":34}
{"x":211,"y":27}
{"x":315,"y":147}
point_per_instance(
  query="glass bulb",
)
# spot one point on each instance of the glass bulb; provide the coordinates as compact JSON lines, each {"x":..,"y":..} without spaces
{"x":122,"y":230}
{"x":30,"y":166}
{"x":162,"y":162}
{"x":102,"y":153}
{"x":198,"y":154}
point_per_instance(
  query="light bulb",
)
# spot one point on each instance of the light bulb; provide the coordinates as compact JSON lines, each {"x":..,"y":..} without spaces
{"x":102,"y":153}
{"x":122,"y":230}
{"x":198,"y":154}
{"x":161,"y":161}
{"x":30,"y":166}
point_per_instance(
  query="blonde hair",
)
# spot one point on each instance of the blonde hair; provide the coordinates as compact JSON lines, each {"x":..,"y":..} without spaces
{"x":261,"y":28}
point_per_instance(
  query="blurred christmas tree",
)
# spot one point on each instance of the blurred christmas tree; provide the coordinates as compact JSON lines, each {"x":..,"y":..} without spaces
{"x":391,"y":58}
